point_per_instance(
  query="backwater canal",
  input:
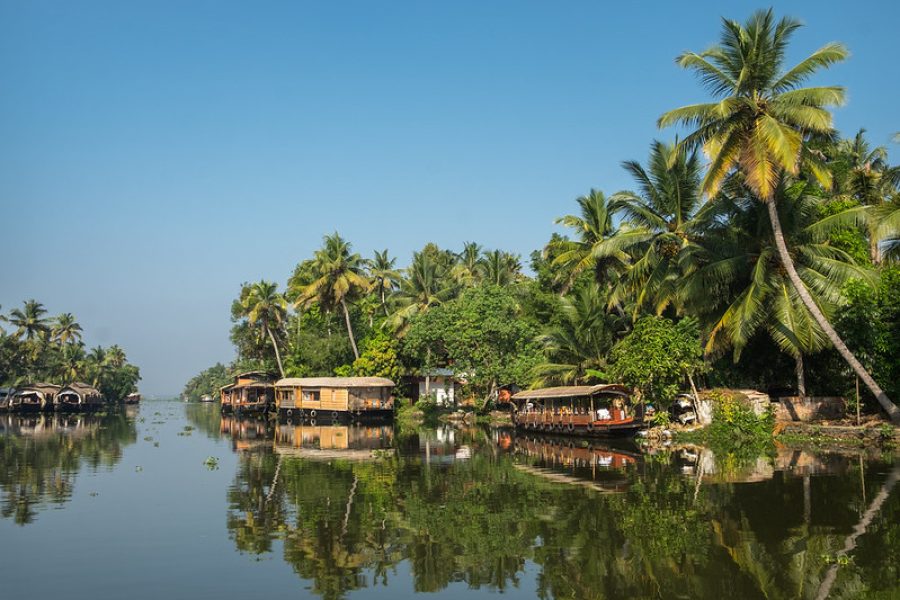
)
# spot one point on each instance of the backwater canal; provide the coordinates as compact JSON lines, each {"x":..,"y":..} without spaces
{"x":169,"y":500}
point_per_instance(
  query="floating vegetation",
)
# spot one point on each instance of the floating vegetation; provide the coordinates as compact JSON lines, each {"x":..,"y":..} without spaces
{"x":211,"y":463}
{"x":148,"y":439}
{"x":138,"y":469}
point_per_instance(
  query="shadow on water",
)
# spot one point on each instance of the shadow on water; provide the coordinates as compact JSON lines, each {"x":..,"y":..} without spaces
{"x":354,"y":507}
{"x":42,"y":455}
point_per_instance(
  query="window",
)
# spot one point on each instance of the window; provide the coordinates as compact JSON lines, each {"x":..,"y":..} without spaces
{"x":311,"y":395}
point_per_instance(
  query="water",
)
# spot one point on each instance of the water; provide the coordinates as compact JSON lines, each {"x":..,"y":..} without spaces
{"x":172,"y":501}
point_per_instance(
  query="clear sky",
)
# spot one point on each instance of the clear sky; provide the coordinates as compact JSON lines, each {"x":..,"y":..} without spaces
{"x":154,"y":155}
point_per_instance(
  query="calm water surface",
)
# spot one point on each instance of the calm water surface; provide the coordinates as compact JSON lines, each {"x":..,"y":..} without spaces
{"x":173,"y":501}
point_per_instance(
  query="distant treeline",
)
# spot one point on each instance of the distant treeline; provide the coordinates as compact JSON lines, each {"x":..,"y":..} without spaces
{"x":38,"y":348}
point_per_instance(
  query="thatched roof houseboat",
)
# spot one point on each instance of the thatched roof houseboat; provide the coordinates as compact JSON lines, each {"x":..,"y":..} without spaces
{"x":35,"y":397}
{"x":252,"y":392}
{"x":76,"y":397}
{"x":335,"y":398}
{"x":591,"y":410}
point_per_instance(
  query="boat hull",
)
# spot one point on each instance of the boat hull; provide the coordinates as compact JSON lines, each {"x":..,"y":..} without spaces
{"x":628,"y":428}
{"x":336,"y":416}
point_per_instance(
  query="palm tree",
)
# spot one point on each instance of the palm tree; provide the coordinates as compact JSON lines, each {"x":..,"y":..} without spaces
{"x":886,"y":228}
{"x":385,"y":277}
{"x":427,"y":283}
{"x":466,"y":270}
{"x":660,"y":224}
{"x":65,"y":329}
{"x":264,"y":307}
{"x":72,"y":362}
{"x":95,"y":365}
{"x":339,"y":276}
{"x":115,"y":357}
{"x":30,"y":321}
{"x":759,"y":126}
{"x":576,"y":348}
{"x":499,"y":268}
{"x":594,"y":227}
{"x":737,"y":284}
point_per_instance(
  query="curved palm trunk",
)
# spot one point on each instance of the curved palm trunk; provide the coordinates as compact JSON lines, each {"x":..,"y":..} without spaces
{"x":813,"y":308}
{"x":349,"y":328}
{"x":277,"y":353}
{"x":801,"y":379}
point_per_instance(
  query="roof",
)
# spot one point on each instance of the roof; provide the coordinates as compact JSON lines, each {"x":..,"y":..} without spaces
{"x":252,"y":384}
{"x":571,"y":391}
{"x":81,"y":388}
{"x":347,"y":382}
{"x":38,"y":387}
{"x":265,"y":374}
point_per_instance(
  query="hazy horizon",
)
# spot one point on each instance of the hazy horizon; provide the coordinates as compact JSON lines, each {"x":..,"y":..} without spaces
{"x":163,"y":153}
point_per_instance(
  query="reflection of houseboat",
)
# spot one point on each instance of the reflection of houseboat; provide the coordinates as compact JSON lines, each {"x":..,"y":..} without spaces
{"x":246,"y":434}
{"x":332,"y":441}
{"x":133,"y":398}
{"x":251,"y":393}
{"x":335,"y":398}
{"x":590,"y":410}
{"x":77,"y":397}
{"x":33,"y":398}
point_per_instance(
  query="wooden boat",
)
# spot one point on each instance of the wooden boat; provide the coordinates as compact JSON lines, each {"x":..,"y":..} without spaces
{"x":77,"y":397}
{"x":585,"y":410}
{"x":36,"y":397}
{"x":251,"y":393}
{"x":335,"y":398}
{"x":133,"y":398}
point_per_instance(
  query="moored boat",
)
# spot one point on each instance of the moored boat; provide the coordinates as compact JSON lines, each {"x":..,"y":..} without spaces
{"x":36,"y":397}
{"x":77,"y":397}
{"x":133,"y":398}
{"x":587,"y":410}
{"x":335,"y":398}
{"x":251,"y":393}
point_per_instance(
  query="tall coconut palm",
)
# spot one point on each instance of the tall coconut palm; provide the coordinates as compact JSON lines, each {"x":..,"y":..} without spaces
{"x":427,"y":283}
{"x":339,"y":276}
{"x":385,"y":278}
{"x":115,"y":356}
{"x":466,"y":270}
{"x":759,"y":125}
{"x":576,"y":348}
{"x":71,"y":365}
{"x":499,"y":268}
{"x":95,"y":365}
{"x":737,"y":284}
{"x":886,"y":228}
{"x":30,"y":321}
{"x":264,"y":307}
{"x":659,"y":224}
{"x":591,"y":250}
{"x":65,"y":329}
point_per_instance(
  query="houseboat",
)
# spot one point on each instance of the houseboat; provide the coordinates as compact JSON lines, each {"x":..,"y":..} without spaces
{"x":77,"y":397}
{"x":335,"y":398}
{"x":251,"y":393}
{"x":133,"y":398}
{"x":587,"y":410}
{"x":353,"y":442}
{"x":36,"y":397}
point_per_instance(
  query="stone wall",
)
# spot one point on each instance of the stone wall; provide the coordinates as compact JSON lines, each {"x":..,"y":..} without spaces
{"x":795,"y":408}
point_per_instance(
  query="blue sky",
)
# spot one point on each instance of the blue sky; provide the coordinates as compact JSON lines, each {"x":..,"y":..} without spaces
{"x":157,"y":154}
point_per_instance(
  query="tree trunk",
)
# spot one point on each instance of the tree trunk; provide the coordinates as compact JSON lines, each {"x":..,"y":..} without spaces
{"x":384,"y":301}
{"x":277,"y":353}
{"x":813,"y":308}
{"x":349,"y":328}
{"x":801,"y":380}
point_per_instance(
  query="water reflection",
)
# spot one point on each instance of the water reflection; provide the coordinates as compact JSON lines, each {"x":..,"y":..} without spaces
{"x":345,"y":505}
{"x":43,"y":453}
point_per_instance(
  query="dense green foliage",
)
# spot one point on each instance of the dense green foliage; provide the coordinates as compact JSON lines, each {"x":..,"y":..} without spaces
{"x":206,"y":383}
{"x":658,"y":356}
{"x":42,"y":349}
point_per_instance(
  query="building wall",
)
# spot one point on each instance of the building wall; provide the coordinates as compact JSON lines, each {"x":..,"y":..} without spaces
{"x":442,"y":388}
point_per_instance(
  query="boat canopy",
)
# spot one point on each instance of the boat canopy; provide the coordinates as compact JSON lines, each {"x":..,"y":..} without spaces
{"x":335,"y":382}
{"x":572,"y":391}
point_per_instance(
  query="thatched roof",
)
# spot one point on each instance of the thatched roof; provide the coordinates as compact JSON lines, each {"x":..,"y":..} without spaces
{"x":335,"y":382}
{"x":258,"y":374}
{"x":44,"y":388}
{"x":571,"y":391}
{"x":82,"y":389}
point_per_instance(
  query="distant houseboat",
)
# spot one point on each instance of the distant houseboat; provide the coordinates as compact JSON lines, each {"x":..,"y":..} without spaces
{"x":589,"y":410}
{"x":251,"y":393}
{"x":36,"y":397}
{"x":335,"y":398}
{"x":77,"y":397}
{"x":133,"y":398}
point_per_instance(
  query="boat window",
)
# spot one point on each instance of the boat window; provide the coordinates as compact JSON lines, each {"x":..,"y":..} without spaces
{"x":312,"y":395}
